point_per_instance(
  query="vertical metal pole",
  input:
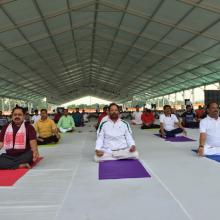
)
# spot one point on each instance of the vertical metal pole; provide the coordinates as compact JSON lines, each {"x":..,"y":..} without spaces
{"x":9,"y":105}
{"x":3,"y":103}
{"x":175,"y":100}
{"x":193,"y":95}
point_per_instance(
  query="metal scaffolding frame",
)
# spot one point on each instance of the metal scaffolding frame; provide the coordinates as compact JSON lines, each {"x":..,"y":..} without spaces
{"x":112,"y":49}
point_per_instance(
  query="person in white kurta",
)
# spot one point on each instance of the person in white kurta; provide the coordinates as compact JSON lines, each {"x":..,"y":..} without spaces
{"x":137,"y":116}
{"x":209,"y":141}
{"x":114,"y":138}
{"x":35,"y":117}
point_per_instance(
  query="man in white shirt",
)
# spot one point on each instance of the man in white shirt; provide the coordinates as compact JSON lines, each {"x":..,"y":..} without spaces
{"x":114,"y":138}
{"x":209,"y":141}
{"x":137,"y":116}
{"x":85,"y":116}
{"x":35,"y":117}
{"x":169,"y":124}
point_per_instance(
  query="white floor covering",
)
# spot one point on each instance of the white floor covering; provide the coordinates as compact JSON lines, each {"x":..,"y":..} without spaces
{"x":65,"y":184}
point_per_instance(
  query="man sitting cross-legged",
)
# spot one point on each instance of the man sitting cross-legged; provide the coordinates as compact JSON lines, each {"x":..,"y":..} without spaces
{"x":169,"y":124}
{"x":78,"y":118}
{"x":19,"y":141}
{"x":46,"y":129}
{"x":114,"y":138}
{"x":209,"y":141}
{"x":136,"y":116}
{"x":188,"y":118}
{"x":66,"y":123}
{"x":148,"y":120}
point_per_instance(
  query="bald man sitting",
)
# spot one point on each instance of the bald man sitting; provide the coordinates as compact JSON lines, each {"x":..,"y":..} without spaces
{"x":114,"y":138}
{"x":209,"y":141}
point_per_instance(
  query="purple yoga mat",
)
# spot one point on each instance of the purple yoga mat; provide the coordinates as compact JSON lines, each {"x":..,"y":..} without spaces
{"x":158,"y":135}
{"x":176,"y":139}
{"x":121,"y":169}
{"x":179,"y":139}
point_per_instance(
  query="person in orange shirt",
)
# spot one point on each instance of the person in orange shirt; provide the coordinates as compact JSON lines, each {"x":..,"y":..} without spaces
{"x":200,"y":113}
{"x":101,"y":116}
{"x":148,"y":120}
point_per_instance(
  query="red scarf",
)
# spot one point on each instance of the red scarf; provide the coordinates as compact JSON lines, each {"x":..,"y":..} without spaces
{"x":20,"y":138}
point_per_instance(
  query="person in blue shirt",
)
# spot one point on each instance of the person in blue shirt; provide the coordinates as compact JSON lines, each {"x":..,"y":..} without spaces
{"x":188,"y":118}
{"x":78,"y":118}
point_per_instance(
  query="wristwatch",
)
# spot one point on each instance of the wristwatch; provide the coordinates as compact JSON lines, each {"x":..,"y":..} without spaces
{"x":201,"y":146}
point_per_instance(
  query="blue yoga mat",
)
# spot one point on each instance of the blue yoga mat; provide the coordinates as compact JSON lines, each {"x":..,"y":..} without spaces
{"x":212,"y":157}
{"x":120,"y":169}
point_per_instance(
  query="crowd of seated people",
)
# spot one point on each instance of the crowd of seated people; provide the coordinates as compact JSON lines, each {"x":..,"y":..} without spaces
{"x":21,"y":136}
{"x":126,"y":115}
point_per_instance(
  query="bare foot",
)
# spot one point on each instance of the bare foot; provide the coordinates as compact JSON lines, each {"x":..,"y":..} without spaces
{"x":25,"y":165}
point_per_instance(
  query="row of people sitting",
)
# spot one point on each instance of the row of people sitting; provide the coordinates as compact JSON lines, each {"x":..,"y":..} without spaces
{"x":114,"y":136}
{"x":20,"y":139}
{"x":147,"y":118}
{"x":78,"y":118}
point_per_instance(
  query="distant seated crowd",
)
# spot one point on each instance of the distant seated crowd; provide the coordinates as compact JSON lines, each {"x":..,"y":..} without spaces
{"x":20,"y":137}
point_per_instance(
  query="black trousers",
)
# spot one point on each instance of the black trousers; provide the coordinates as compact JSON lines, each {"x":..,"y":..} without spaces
{"x":173,"y":132}
{"x":150,"y":126}
{"x":193,"y":124}
{"x":48,"y":140}
{"x":13,"y":162}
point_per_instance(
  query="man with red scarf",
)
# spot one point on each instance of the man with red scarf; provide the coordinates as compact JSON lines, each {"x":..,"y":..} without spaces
{"x":19,"y":141}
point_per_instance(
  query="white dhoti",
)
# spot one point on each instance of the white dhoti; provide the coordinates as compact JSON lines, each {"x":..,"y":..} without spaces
{"x":64,"y":130}
{"x":118,"y":155}
{"x":210,"y":150}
